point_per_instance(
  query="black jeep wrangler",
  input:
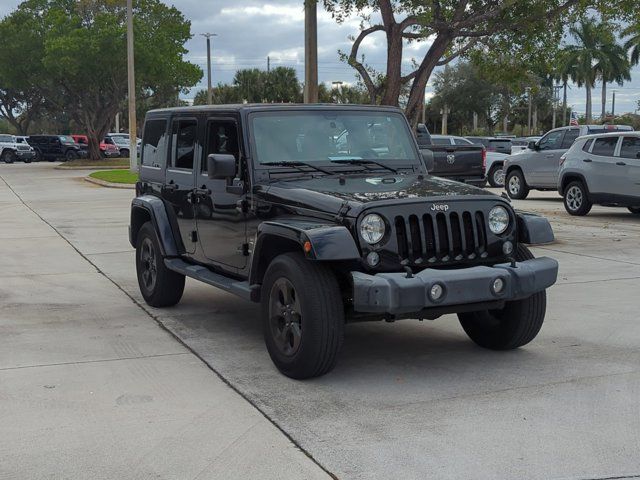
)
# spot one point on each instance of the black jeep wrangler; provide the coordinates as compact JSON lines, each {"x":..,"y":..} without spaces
{"x":326,"y":214}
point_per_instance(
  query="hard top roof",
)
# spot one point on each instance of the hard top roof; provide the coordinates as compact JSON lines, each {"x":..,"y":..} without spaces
{"x":277,"y":107}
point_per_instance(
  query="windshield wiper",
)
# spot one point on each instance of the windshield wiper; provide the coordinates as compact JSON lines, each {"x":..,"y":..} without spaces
{"x":297,"y":166}
{"x":363,"y":162}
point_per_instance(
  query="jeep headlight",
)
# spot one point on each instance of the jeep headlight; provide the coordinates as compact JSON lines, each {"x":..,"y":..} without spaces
{"x":498,"y":220}
{"x":372,"y":228}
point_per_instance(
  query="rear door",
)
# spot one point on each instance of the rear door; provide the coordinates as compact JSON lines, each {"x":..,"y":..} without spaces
{"x":180,"y":177}
{"x":630,"y":156}
{"x":545,"y":161}
{"x":604,"y":176}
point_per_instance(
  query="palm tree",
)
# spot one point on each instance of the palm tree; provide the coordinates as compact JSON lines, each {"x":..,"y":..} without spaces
{"x":595,"y":55}
{"x":632,"y":45}
{"x":564,"y":70}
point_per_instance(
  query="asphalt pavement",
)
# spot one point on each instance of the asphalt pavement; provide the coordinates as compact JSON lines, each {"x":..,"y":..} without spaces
{"x":407,"y":400}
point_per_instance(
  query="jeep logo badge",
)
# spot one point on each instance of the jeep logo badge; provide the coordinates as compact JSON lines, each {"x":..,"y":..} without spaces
{"x":439,"y":207}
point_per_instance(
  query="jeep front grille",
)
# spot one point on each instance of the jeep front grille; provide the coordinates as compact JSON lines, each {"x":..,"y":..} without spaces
{"x":441,"y":237}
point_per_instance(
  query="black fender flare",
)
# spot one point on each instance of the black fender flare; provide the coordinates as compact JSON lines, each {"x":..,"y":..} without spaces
{"x":562,"y":184}
{"x":152,"y":208}
{"x":317,"y":241}
{"x":534,"y":229}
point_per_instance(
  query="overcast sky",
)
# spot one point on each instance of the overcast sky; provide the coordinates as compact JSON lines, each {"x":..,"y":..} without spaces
{"x":249,"y":31}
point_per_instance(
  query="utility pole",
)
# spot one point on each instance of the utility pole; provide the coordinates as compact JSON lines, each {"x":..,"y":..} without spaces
{"x":445,"y":118}
{"x":613,"y":105}
{"x":268,"y":64}
{"x":209,"y":86}
{"x":528,"y":90}
{"x":133,"y":137}
{"x":564,"y":104}
{"x":311,"y":51}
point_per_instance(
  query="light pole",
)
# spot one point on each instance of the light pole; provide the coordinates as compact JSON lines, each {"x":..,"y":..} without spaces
{"x":337,"y":85}
{"x":528,"y":90}
{"x":310,"y":51}
{"x":613,"y":105}
{"x":133,"y":137}
{"x":209,"y":87}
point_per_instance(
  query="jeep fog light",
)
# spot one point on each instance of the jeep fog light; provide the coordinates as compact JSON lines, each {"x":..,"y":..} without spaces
{"x":372,"y":228}
{"x":497,"y":286}
{"x":373,"y":259}
{"x":498,"y":220}
{"x":436,"y":292}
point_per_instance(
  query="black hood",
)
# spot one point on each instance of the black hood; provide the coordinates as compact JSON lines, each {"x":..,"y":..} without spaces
{"x":330,"y":193}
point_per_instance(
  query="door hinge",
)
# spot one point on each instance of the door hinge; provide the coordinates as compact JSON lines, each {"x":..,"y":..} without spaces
{"x":242,"y":206}
{"x":194,"y":236}
{"x":245,"y":249}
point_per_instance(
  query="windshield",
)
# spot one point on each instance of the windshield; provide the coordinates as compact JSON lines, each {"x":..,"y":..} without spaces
{"x":329,"y":136}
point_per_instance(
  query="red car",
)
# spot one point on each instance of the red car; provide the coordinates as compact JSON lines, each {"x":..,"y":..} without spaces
{"x":107,"y":150}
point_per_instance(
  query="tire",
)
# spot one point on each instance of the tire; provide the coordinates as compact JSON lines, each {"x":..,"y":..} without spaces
{"x":496,"y":176}
{"x":302,"y":316}
{"x":9,"y":156}
{"x":124,"y":153}
{"x":576,"y":199}
{"x":70,"y":155}
{"x":516,"y":186}
{"x":517,"y":324}
{"x":635,"y":210}
{"x":28,"y":160}
{"x":159,"y":286}
{"x":38,"y":156}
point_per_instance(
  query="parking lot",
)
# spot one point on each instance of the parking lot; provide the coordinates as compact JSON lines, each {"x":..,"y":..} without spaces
{"x":407,"y":400}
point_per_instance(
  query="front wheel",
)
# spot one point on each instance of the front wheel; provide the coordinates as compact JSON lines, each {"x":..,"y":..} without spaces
{"x":9,"y":156}
{"x":576,"y":199}
{"x":635,"y":210}
{"x":302,"y":315}
{"x":511,"y":327}
{"x":71,"y":155}
{"x":516,"y":185}
{"x":159,"y":286}
{"x":496,"y":176}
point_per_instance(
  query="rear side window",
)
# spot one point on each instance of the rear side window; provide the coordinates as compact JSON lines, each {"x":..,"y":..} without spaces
{"x":570,"y":137}
{"x":153,"y":143}
{"x":441,"y":141}
{"x":605,"y":146}
{"x":630,"y":147}
{"x":183,"y":143}
{"x":587,"y":145}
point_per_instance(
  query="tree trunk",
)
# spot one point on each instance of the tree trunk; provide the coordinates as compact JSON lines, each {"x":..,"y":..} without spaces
{"x":604,"y":100}
{"x":564,"y":104}
{"x":589,"y":109}
{"x":394,"y":65}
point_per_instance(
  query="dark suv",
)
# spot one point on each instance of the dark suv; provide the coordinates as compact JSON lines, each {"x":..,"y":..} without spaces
{"x":56,"y":147}
{"x":309,"y":211}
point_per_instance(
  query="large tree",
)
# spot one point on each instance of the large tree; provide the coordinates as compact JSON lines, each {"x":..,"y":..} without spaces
{"x":83,"y":61}
{"x":452,"y":28}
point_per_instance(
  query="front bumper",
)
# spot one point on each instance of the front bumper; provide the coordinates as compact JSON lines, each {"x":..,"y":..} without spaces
{"x":394,"y":293}
{"x":25,"y":154}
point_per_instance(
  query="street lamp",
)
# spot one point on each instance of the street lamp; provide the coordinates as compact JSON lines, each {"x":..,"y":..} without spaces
{"x":209,"y":87}
{"x":528,"y":90}
{"x":133,"y":137}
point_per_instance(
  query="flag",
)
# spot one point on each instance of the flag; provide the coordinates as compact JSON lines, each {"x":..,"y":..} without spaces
{"x":574,"y":120}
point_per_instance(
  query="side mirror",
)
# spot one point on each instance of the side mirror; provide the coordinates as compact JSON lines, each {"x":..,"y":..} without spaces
{"x":427,"y":158}
{"x":533,"y":145}
{"x":638,"y":155}
{"x":221,"y":166}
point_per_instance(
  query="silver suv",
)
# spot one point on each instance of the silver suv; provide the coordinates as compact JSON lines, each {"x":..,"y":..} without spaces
{"x":602,"y":169}
{"x":537,"y":167}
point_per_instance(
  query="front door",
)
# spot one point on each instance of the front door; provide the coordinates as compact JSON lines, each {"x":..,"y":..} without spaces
{"x":221,"y":214}
{"x":180,"y":177}
{"x":547,"y":160}
{"x":630,"y":155}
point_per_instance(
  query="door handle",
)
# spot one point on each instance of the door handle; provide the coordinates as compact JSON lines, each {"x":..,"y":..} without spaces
{"x":202,"y":191}
{"x":171,"y":187}
{"x":587,"y":160}
{"x":621,"y":164}
{"x":550,"y":155}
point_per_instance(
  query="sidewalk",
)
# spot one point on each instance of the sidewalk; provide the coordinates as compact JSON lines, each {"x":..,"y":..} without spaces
{"x":92,"y":387}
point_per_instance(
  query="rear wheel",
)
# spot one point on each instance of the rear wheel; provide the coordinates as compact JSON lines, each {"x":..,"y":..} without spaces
{"x":159,"y":286}
{"x":635,"y":210}
{"x":124,"y":153}
{"x":8,"y":156}
{"x":511,"y":327}
{"x":516,"y":186}
{"x":576,"y":199}
{"x":303,"y":316}
{"x":496,"y":176}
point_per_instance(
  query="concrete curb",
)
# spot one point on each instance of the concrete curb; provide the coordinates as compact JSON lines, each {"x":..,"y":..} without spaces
{"x":102,"y":183}
{"x":106,"y":167}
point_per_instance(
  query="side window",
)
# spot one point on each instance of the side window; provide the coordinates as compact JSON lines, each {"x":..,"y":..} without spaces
{"x":153,"y":143}
{"x":570,"y":137}
{"x":630,"y":147}
{"x":461,"y":141}
{"x":605,"y":146}
{"x":552,"y":140}
{"x":183,"y":143}
{"x":587,"y":145}
{"x":222,"y":138}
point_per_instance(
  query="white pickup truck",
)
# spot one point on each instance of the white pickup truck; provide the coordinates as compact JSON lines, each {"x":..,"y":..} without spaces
{"x":12,"y":150}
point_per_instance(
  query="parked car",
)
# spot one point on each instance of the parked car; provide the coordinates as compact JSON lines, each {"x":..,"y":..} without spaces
{"x":601,"y":169}
{"x":121,"y":140}
{"x":11,"y":150}
{"x":493,"y":160}
{"x":56,"y":147}
{"x":522,"y":144}
{"x":537,"y":168}
{"x":462,"y":162}
{"x":493,"y":144}
{"x":262,"y":201}
{"x":107,"y":149}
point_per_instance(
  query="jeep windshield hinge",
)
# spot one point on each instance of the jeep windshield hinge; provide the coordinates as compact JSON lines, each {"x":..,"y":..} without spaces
{"x":344,"y":209}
